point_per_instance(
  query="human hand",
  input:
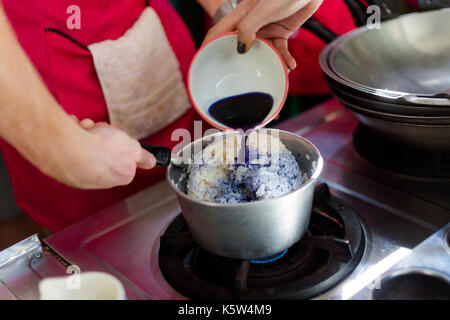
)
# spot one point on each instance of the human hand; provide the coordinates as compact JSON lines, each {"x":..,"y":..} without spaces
{"x":273,"y":20}
{"x":38,"y":128}
{"x":89,"y":124}
{"x":109,"y":159}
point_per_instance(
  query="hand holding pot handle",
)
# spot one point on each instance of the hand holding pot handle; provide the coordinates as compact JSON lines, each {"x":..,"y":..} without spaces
{"x":162,"y":154}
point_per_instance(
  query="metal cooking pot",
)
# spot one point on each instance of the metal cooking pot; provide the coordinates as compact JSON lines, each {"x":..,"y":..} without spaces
{"x":405,"y":61}
{"x":255,"y":229}
{"x":431,"y":133}
{"x":391,"y":108}
{"x":363,"y":109}
{"x":388,"y":76}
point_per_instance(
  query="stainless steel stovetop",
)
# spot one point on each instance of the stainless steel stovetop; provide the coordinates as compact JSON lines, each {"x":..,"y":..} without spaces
{"x":399,"y":213}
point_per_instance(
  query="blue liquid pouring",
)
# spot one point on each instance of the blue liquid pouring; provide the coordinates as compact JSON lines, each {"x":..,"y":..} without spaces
{"x":242,"y":111}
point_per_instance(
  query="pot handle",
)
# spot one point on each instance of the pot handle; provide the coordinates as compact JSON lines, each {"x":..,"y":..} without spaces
{"x":320,"y":30}
{"x":162,"y":154}
{"x":440,"y":99}
{"x":358,"y":11}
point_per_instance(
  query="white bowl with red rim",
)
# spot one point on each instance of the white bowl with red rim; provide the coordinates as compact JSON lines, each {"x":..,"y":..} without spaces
{"x":218,"y":71}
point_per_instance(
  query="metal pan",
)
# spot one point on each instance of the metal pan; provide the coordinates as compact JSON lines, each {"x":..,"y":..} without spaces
{"x":368,"y":110}
{"x":406,"y":61}
{"x":373,"y":60}
{"x":431,"y":133}
{"x":395,"y":109}
{"x":387,"y":105}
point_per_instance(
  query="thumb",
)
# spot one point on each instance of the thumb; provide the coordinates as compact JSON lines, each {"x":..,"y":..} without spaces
{"x":146,"y":160}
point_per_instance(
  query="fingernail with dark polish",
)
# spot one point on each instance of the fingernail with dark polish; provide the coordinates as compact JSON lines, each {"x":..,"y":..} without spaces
{"x":241,"y":47}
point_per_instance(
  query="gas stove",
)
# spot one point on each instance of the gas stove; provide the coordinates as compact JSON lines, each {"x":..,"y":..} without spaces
{"x":366,"y":222}
{"x":330,"y":250}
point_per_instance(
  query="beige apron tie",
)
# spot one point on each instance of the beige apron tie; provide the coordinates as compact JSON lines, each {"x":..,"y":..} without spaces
{"x":140,"y":78}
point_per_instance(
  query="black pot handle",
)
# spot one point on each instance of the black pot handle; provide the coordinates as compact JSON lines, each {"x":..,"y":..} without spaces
{"x":358,"y":11}
{"x":162,"y":154}
{"x":320,"y":30}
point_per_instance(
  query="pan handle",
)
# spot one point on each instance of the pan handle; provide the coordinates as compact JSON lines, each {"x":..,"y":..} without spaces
{"x":162,"y":154}
{"x":440,"y":99}
{"x":320,"y":30}
{"x":358,"y":11}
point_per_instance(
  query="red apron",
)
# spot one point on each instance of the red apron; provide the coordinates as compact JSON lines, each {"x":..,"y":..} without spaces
{"x":68,"y":71}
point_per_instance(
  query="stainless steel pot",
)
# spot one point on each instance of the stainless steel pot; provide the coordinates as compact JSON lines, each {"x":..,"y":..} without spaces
{"x":254,"y":229}
{"x":395,"y":79}
{"x":429,"y":133}
{"x":391,"y":108}
{"x":405,"y":61}
{"x":429,"y":121}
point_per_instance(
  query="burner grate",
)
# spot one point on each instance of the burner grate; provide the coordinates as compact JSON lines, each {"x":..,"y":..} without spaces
{"x":330,"y":250}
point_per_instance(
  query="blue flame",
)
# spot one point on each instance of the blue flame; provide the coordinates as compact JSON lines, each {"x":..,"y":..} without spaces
{"x":273,"y":258}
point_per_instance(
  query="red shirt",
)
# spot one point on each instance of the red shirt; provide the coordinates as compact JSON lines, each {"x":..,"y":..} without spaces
{"x":68,"y":71}
{"x":305,"y":47}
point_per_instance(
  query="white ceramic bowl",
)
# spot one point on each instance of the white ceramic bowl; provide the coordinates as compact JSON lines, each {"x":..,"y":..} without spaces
{"x":82,"y":286}
{"x":218,"y":71}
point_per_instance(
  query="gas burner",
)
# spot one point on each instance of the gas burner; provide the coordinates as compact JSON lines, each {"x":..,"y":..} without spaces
{"x":327,"y":254}
{"x":397,"y":157}
{"x":270,"y":259}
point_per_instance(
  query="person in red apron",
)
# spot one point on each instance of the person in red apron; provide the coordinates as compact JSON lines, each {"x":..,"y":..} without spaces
{"x":121,"y":62}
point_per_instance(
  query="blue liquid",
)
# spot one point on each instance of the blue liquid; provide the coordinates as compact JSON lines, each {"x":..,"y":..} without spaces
{"x":242,"y":111}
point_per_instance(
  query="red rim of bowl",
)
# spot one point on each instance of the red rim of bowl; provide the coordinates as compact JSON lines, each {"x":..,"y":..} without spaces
{"x":265,"y":122}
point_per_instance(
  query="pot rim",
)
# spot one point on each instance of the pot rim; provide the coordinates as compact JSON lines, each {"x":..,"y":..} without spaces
{"x":303,"y":186}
